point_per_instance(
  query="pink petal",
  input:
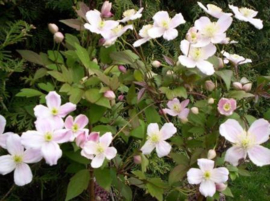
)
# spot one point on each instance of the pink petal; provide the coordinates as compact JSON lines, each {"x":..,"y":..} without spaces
{"x":259,"y":155}
{"x":3,"y":139}
{"x":173,"y":102}
{"x":186,"y":61}
{"x":194,"y":176}
{"x":177,"y":20}
{"x":220,"y":175}
{"x":57,"y":122}
{"x":163,"y":148}
{"x":224,"y":23}
{"x":207,"y":188}
{"x":69,"y":122}
{"x":44,"y":125}
{"x":234,"y":154}
{"x":32,"y":139}
{"x":184,"y":103}
{"x":202,"y":22}
{"x":7,"y":164}
{"x":32,"y":156}
{"x":156,"y":32}
{"x":42,"y":111}
{"x":51,"y":152}
{"x":53,"y":100}
{"x":110,"y":153}
{"x":98,"y":161}
{"x":170,"y":34}
{"x":152,"y":129}
{"x":206,"y":67}
{"x":148,"y":147}
{"x":62,"y":136}
{"x":170,"y":112}
{"x":205,"y":164}
{"x":81,"y":139}
{"x":14,"y":145}
{"x":231,"y":130}
{"x":260,"y":129}
{"x":2,"y":124}
{"x":183,"y":114}
{"x":167,"y":131}
{"x":106,"y":139}
{"x":66,"y":108}
{"x":94,"y":136}
{"x":22,"y":174}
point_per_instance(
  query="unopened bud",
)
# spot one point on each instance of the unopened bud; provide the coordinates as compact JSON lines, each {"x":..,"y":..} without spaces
{"x":137,"y":159}
{"x":220,"y":186}
{"x":170,"y":72}
{"x":211,"y":101}
{"x":122,"y":69}
{"x":247,"y":87}
{"x":211,"y":154}
{"x":237,"y":85}
{"x":98,"y":198}
{"x":121,"y":97}
{"x":156,"y":64}
{"x":95,"y":60}
{"x":53,"y":28}
{"x":209,"y":85}
{"x":109,"y":95}
{"x":184,"y":120}
{"x":106,"y":9}
{"x":101,"y":41}
{"x":195,"y":110}
{"x":58,"y":37}
{"x":220,"y":63}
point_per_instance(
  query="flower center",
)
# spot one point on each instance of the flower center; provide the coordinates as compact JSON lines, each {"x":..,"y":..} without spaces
{"x":246,"y":11}
{"x":227,"y":107}
{"x":48,"y":137}
{"x":100,"y":149}
{"x":165,"y":24}
{"x":54,"y":111}
{"x":207,"y":175}
{"x":101,"y":24}
{"x":155,"y":138}
{"x":177,"y":108}
{"x":211,"y":29}
{"x":196,"y":53}
{"x":129,"y":13}
{"x":17,"y":159}
{"x":212,"y":7}
{"x":75,"y":128}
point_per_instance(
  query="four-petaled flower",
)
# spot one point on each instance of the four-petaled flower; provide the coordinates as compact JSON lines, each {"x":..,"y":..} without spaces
{"x":177,"y":108}
{"x":144,"y":34}
{"x":76,"y":127}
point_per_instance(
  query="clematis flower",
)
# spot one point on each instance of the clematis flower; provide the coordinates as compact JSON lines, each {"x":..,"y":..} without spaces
{"x":54,"y":111}
{"x":193,"y":35}
{"x":18,"y":160}
{"x":177,"y":108}
{"x":226,"y":106}
{"x":207,"y":176}
{"x":235,"y":59}
{"x":106,"y":9}
{"x":76,"y":127}
{"x":3,"y":136}
{"x":212,"y":32}
{"x":100,"y":150}
{"x":47,"y":139}
{"x":131,"y":14}
{"x":197,"y":56}
{"x":247,"y":15}
{"x":246,"y":143}
{"x":165,"y":26}
{"x":213,"y":10}
{"x":144,"y":34}
{"x":84,"y":137}
{"x":156,"y":139}
{"x":97,"y":24}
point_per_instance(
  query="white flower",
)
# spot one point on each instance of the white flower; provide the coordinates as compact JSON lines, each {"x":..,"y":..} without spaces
{"x":197,"y":56}
{"x":3,"y":136}
{"x":165,"y":26}
{"x":156,"y":139}
{"x":17,"y":160}
{"x":235,"y":58}
{"x":213,"y":10}
{"x":207,"y":176}
{"x":177,"y":108}
{"x":247,"y":15}
{"x":131,"y":14}
{"x":144,"y":34}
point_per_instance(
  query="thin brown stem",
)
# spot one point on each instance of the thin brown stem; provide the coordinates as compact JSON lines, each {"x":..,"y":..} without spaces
{"x":91,"y":187}
{"x":5,"y":196}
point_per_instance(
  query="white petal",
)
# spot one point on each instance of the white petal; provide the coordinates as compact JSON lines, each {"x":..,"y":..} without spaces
{"x":41,"y":111}
{"x":156,"y":32}
{"x":62,"y":136}
{"x":90,"y":147}
{"x":110,"y":153}
{"x":208,"y":188}
{"x":185,"y":46}
{"x":98,"y":161}
{"x":177,"y":20}
{"x":163,"y":148}
{"x":53,"y":100}
{"x":32,"y":139}
{"x":93,"y":17}
{"x":161,"y":16}
{"x":231,"y":129}
{"x":206,"y":67}
{"x":205,"y":164}
{"x":218,"y":38}
{"x":14,"y":145}
{"x":7,"y":164}
{"x":3,"y":139}
{"x":170,"y":34}
{"x":202,"y":22}
{"x":140,"y":42}
{"x":261,"y":130}
{"x":86,"y":155}
{"x":219,"y":175}
{"x":238,"y":15}
{"x":257,"y":23}
{"x":148,"y":147}
{"x":209,"y":50}
{"x":186,"y":61}
{"x":106,"y":139}
{"x":234,"y":154}
{"x":259,"y":155}
{"x":194,"y":176}
{"x":32,"y":156}
{"x":51,"y":152}
{"x":22,"y":174}
{"x":152,"y":129}
{"x":224,"y":23}
{"x":2,"y":124}
{"x":167,"y":131}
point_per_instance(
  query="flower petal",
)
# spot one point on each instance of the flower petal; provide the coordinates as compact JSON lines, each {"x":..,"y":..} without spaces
{"x":140,"y":42}
{"x":3,"y":139}
{"x":207,"y":188}
{"x":66,"y":108}
{"x":156,"y":32}
{"x":163,"y":148}
{"x":62,"y":136}
{"x":205,"y":164}
{"x":44,"y":125}
{"x":22,"y":174}
{"x":224,"y":23}
{"x":183,"y":114}
{"x":86,"y":155}
{"x":231,"y":129}
{"x":202,"y":22}
{"x":51,"y":152}
{"x":69,"y":122}
{"x":41,"y":111}
{"x":170,"y":112}
{"x":170,"y":34}
{"x":152,"y":128}
{"x":185,"y":46}
{"x":93,"y":17}
{"x":194,"y":176}
{"x":110,"y":153}
{"x":177,"y":20}
{"x":32,"y":139}
{"x":2,"y":124}
{"x":7,"y":164}
{"x":167,"y":131}
{"x":186,"y":61}
{"x":98,"y":161}
{"x":184,"y":103}
{"x":148,"y":147}
{"x":90,"y":147}
{"x":106,"y":139}
{"x":161,"y":16}
{"x":257,"y":23}
{"x":220,"y":175}
{"x":81,"y":120}
{"x":260,"y":129}
{"x":32,"y":156}
{"x":234,"y":154}
{"x":173,"y":102}
{"x":53,"y":100}
{"x":259,"y":155}
{"x":14,"y":145}
{"x":209,"y":50}
{"x":206,"y":67}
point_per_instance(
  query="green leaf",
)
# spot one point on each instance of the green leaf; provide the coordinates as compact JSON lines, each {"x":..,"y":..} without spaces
{"x":124,"y":57}
{"x":78,"y":183}
{"x":152,"y":116}
{"x":29,"y":93}
{"x":58,"y":76}
{"x":177,"y":173}
{"x":76,"y":156}
{"x":227,"y":192}
{"x":238,"y":95}
{"x":104,"y":128}
{"x":144,"y":163}
{"x":65,"y":88}
{"x":71,"y":40}
{"x":31,"y":56}
{"x":226,"y":75}
{"x":155,"y":187}
{"x":55,"y":56}
{"x":180,"y":158}
{"x":41,"y":72}
{"x":139,"y":131}
{"x":104,"y":54}
{"x":103,"y":178}
{"x":46,"y":87}
{"x":95,"y":113}
{"x":75,"y":95}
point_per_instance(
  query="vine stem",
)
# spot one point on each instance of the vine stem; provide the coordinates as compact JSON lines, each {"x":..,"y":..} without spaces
{"x":3,"y":198}
{"x":91,"y":187}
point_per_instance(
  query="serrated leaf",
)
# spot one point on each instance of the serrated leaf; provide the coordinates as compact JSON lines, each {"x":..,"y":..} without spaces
{"x":31,"y":56}
{"x":58,"y":76}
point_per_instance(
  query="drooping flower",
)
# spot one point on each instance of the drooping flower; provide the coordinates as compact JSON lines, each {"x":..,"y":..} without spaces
{"x":235,"y":59}
{"x":246,"y":143}
{"x":54,"y":110}
{"x":144,"y":34}
{"x":46,"y":138}
{"x":3,"y":136}
{"x":177,"y":108}
{"x":131,"y":14}
{"x":226,"y":106}
{"x":76,"y":127}
{"x":165,"y":26}
{"x":213,"y":10}
{"x":197,"y":56}
{"x":112,"y":35}
{"x":100,"y":150}
{"x":18,"y":160}
{"x":97,"y":24}
{"x":247,"y":15}
{"x":212,"y":32}
{"x":106,"y":9}
{"x":157,"y":139}
{"x":207,"y":176}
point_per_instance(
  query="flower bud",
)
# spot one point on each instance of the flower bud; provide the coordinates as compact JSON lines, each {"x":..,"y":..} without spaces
{"x":237,"y":85}
{"x":121,"y":97}
{"x":247,"y":87}
{"x":137,"y":159}
{"x":122,"y":69}
{"x":53,"y":28}
{"x":195,"y":110}
{"x":220,"y":63}
{"x":211,"y":101}
{"x":101,"y":41}
{"x":156,"y":64}
{"x":58,"y":37}
{"x":184,"y":120}
{"x":106,"y":9}
{"x":211,"y":154}
{"x":209,"y":85}
{"x":109,"y":95}
{"x":220,"y":186}
{"x":95,"y":60}
{"x":98,"y":198}
{"x":170,"y":72}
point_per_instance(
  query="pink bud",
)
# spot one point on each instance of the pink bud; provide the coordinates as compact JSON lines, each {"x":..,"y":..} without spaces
{"x":106,"y":9}
{"x":247,"y":87}
{"x":195,"y":110}
{"x":58,"y":37}
{"x":211,"y":154}
{"x":220,"y":186}
{"x":53,"y":28}
{"x":121,"y":97}
{"x":109,"y":95}
{"x":221,"y":63}
{"x":122,"y":69}
{"x":237,"y":85}
{"x":209,"y":85}
{"x":156,"y":64}
{"x":137,"y":159}
{"x":101,"y":41}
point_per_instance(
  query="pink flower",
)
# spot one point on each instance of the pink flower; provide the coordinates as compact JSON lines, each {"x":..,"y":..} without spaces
{"x":75,"y":127}
{"x":84,"y":137}
{"x":207,"y":176}
{"x":156,"y":139}
{"x":177,"y":108}
{"x":100,"y":150}
{"x":106,"y":9}
{"x":226,"y":106}
{"x":17,"y":160}
{"x":246,"y":142}
{"x":47,"y":139}
{"x":55,"y":111}
{"x":3,"y":136}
